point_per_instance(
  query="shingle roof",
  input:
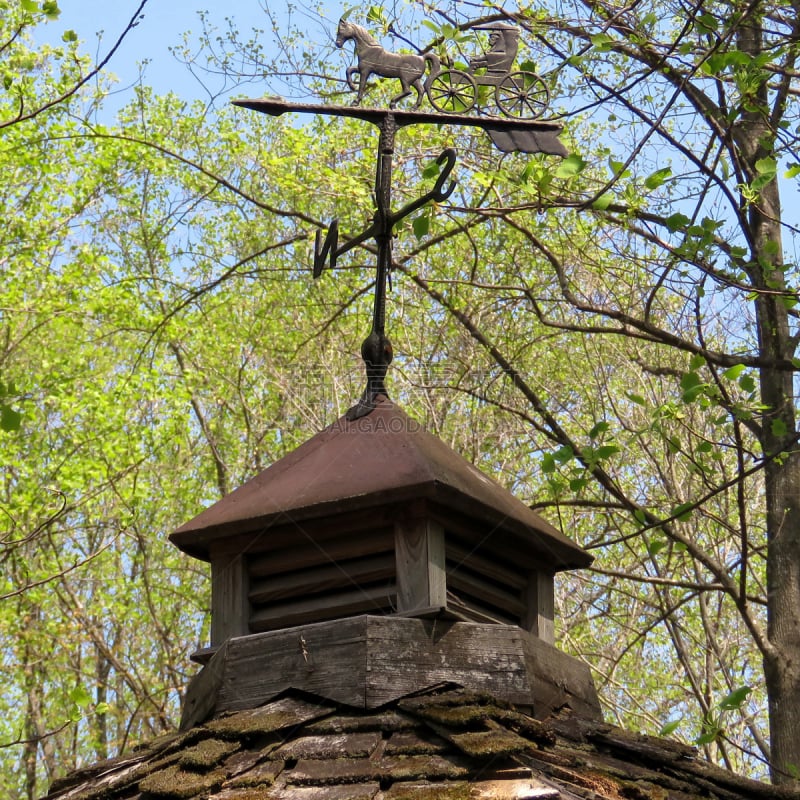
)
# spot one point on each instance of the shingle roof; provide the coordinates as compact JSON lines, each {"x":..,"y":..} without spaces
{"x":441,"y":744}
{"x":383,"y":458}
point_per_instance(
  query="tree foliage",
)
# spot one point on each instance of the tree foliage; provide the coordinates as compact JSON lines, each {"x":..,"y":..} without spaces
{"x":611,"y":336}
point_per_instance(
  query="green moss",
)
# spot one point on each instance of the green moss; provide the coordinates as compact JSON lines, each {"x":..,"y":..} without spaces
{"x":259,"y":792}
{"x":178,"y":784}
{"x":252,"y":723}
{"x":260,"y":775}
{"x":340,"y":723}
{"x":456,"y":716}
{"x":206,"y":754}
{"x":642,"y":790}
{"x":439,"y":791}
{"x":490,"y":743}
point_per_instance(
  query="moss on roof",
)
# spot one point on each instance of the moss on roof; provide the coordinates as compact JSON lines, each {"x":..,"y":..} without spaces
{"x":437,"y":746}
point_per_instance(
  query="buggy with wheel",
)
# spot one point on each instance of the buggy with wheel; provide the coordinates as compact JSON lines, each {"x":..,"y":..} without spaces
{"x":517,"y":94}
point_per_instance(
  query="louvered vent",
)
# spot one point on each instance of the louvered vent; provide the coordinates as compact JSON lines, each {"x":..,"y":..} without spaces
{"x":318,"y":582}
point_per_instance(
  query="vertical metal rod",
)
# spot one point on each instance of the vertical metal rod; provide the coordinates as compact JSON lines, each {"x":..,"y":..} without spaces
{"x":376,"y":349}
{"x":383,"y":197}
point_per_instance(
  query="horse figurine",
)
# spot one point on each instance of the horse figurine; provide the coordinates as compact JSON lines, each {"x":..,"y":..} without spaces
{"x":374,"y":59}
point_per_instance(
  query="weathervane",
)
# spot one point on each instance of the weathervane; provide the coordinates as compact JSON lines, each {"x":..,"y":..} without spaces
{"x":520,"y":97}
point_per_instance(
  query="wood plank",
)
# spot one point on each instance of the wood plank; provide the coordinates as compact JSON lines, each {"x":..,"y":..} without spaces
{"x":327,"y":659}
{"x":327,"y":578}
{"x":475,"y":612}
{"x":490,"y":567}
{"x":367,"y":661}
{"x":558,"y":679}
{"x":230,"y":607}
{"x":483,"y":591}
{"x":342,"y":604}
{"x":300,"y":556}
{"x":511,"y":547}
{"x":320,"y":528}
{"x":420,"y":558}
{"x":407,"y":655}
{"x":539,"y":617}
{"x":200,"y":700}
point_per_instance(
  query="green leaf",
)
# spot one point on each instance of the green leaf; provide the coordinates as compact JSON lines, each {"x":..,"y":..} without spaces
{"x":564,"y":454}
{"x":673,"y":444}
{"x":732,"y":373}
{"x":431,"y":170}
{"x":421,"y":225}
{"x":778,"y":428}
{"x":747,"y":383}
{"x":600,"y":427}
{"x":670,"y":728}
{"x":602,"y":41}
{"x":655,"y":546}
{"x":606,"y":451}
{"x":617,"y":167}
{"x":677,"y":221}
{"x":692,"y":386}
{"x":376,"y":14}
{"x":603,"y":202}
{"x":736,"y":699}
{"x":636,"y":398}
{"x":526,"y":173}
{"x":682,"y":512}
{"x":80,"y":697}
{"x":10,"y":420}
{"x":792,"y":172}
{"x":570,"y":166}
{"x":768,"y":167}
{"x":697,"y":362}
{"x":102,"y":708}
{"x":711,"y":735}
{"x":707,"y":22}
{"x":31,"y":6}
{"x":657,"y":178}
{"x":548,"y":464}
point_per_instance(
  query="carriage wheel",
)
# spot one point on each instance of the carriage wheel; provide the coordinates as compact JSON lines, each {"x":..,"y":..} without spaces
{"x":522,"y":94}
{"x":453,"y":92}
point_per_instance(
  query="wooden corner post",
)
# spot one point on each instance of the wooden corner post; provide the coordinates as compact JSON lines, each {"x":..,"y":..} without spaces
{"x":420,"y":561}
{"x":230,"y":605}
{"x":540,"y":601}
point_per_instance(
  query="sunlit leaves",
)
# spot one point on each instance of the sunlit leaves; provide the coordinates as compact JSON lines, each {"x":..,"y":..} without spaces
{"x":572,"y":165}
{"x":657,"y":178}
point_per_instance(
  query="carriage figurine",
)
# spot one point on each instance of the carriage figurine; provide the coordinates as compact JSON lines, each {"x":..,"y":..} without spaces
{"x":517,"y":94}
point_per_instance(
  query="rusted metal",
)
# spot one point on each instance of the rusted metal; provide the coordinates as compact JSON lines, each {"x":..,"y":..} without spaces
{"x":384,"y":461}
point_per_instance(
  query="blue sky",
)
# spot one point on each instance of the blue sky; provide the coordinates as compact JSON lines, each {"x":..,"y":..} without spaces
{"x":98,"y":24}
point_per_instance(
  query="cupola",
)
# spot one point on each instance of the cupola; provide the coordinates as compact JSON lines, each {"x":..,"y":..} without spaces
{"x":376,"y":516}
{"x":373,"y":518}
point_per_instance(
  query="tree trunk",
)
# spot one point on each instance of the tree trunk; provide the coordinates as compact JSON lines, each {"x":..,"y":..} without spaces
{"x":755,"y":141}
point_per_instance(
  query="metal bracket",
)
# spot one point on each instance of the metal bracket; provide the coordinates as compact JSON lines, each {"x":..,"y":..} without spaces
{"x":328,"y":249}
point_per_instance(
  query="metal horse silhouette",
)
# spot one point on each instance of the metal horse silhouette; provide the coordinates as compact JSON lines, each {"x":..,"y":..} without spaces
{"x":375,"y":60}
{"x":517,"y":93}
